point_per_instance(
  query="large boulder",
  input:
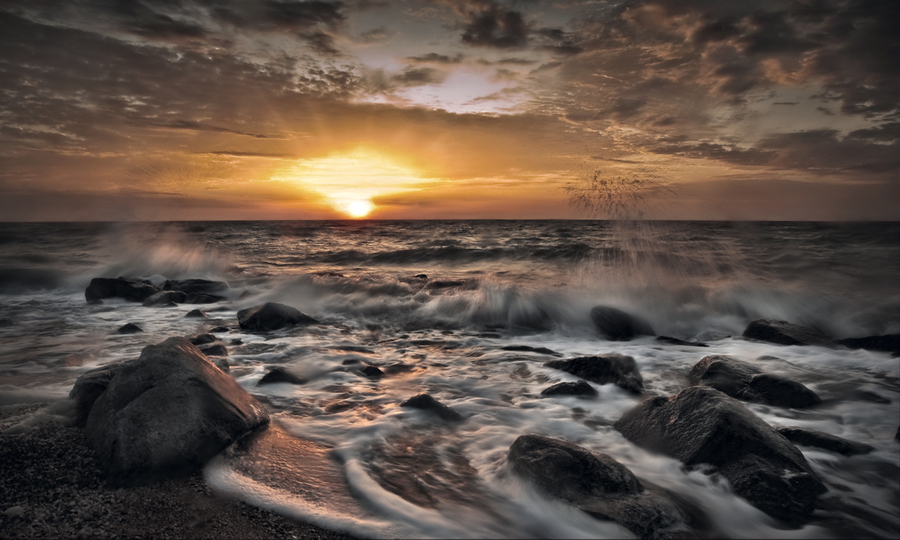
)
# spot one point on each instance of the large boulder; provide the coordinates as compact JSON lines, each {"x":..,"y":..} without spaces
{"x":603,"y":369}
{"x":593,"y":482}
{"x":887,"y":343}
{"x":271,"y":316}
{"x":810,"y":437}
{"x":616,"y":325}
{"x":702,"y":425}
{"x":785,"y":333}
{"x":89,"y":387}
{"x":744,"y":381}
{"x":167,"y":412}
{"x":132,"y":290}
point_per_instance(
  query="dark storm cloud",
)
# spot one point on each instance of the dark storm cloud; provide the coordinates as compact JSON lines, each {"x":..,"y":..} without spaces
{"x":495,"y":26}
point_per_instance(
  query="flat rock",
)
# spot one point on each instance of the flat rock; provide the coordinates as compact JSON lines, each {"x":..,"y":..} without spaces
{"x":526,"y":348}
{"x":785,"y":333}
{"x":595,"y":483}
{"x":271,"y":316}
{"x":616,"y":325}
{"x":428,"y":403}
{"x":280,"y":375}
{"x":819,"y":439}
{"x":603,"y":369}
{"x":746,"y":382}
{"x":702,"y":425}
{"x":167,"y":412}
{"x":129,"y":328}
{"x":132,"y":290}
{"x":580,"y":388}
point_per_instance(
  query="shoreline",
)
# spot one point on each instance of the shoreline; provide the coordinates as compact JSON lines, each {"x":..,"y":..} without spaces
{"x":51,"y":486}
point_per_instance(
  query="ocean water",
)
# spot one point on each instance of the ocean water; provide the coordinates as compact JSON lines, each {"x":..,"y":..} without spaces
{"x":365,"y":465}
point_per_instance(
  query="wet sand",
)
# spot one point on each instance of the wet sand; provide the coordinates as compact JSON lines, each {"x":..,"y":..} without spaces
{"x":51,"y":486}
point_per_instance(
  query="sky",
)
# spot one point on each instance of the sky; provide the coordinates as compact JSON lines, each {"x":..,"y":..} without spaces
{"x":463,"y":109}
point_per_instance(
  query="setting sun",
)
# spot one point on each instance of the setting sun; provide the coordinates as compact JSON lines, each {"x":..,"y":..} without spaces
{"x":358,"y":209}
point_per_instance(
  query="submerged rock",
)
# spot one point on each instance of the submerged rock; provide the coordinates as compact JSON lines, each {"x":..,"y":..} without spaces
{"x":203,"y":339}
{"x":595,"y":483}
{"x":215,"y":350}
{"x":428,"y":403}
{"x":372,"y":372}
{"x":279,"y":375}
{"x":785,"y":333}
{"x":196,"y":313}
{"x":580,"y":388}
{"x":202,"y":298}
{"x":675,"y":341}
{"x":165,"y":298}
{"x":702,"y":425}
{"x":603,"y":369}
{"x":167,"y":412}
{"x":129,"y":328}
{"x":616,"y":325}
{"x":833,"y":443}
{"x":130,"y":289}
{"x":526,"y":348}
{"x":744,"y":381}
{"x":886,"y":343}
{"x":271,"y":316}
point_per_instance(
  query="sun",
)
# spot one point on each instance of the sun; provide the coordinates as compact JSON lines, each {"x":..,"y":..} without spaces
{"x":357,"y":209}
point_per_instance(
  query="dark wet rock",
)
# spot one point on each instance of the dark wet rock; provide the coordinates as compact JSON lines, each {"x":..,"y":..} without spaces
{"x":785,"y":333}
{"x":526,"y":348}
{"x":220,"y":329}
{"x":372,"y":372}
{"x":221,"y":363}
{"x":702,"y":425}
{"x":897,"y":434}
{"x":129,"y":328}
{"x":5,"y":322}
{"x":168,"y":412}
{"x":886,"y":343}
{"x":595,"y":483}
{"x":445,"y":284}
{"x":675,"y":341}
{"x":421,"y":276}
{"x":603,"y":369}
{"x":350,"y":362}
{"x":271,"y":316}
{"x":202,"y":298}
{"x":203,"y":339}
{"x":130,"y":289}
{"x":196,"y":313}
{"x":194,"y":286}
{"x":580,"y":388}
{"x":281,"y":375}
{"x":616,"y":325}
{"x":237,"y":341}
{"x":428,"y":403}
{"x":88,"y":387}
{"x":833,"y":443}
{"x":744,"y":381}
{"x":215,"y":350}
{"x":164,"y":298}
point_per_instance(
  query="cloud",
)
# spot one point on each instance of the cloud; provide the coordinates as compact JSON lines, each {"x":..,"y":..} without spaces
{"x":435,"y":58}
{"x":381,"y":34}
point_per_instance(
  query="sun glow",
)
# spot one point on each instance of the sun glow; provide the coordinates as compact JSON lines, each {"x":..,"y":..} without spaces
{"x":352,"y":182}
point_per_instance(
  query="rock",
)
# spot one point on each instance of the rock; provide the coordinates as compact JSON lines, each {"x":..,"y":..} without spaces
{"x":215,"y":350}
{"x":88,"y":387}
{"x":833,"y":443}
{"x":897,"y":434}
{"x":702,"y":425}
{"x":220,"y":329}
{"x":196,"y":313}
{"x":193,"y":286}
{"x":445,"y":284}
{"x":271,"y":316}
{"x":203,"y":339}
{"x":202,"y":298}
{"x":279,"y":375}
{"x":744,"y":381}
{"x":164,"y":298}
{"x":602,"y":369}
{"x":593,"y":482}
{"x":526,"y":348}
{"x":167,"y":412}
{"x":785,"y":333}
{"x":129,"y":289}
{"x":5,"y":322}
{"x":675,"y":341}
{"x":421,"y":276}
{"x":129,"y":328}
{"x":886,"y":343}
{"x":428,"y":403}
{"x":580,"y":388}
{"x":14,"y":512}
{"x":616,"y":325}
{"x":221,"y":363}
{"x":372,"y":372}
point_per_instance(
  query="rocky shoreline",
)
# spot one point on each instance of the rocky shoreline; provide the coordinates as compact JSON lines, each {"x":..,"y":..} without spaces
{"x":52,"y":486}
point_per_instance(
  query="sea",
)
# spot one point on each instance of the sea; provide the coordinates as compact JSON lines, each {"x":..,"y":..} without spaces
{"x":469,"y":312}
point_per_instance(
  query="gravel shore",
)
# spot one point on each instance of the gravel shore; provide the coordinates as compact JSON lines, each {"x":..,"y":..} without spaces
{"x":51,"y":486}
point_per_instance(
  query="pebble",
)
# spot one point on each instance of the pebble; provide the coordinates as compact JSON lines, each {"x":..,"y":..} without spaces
{"x":15,"y":511}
